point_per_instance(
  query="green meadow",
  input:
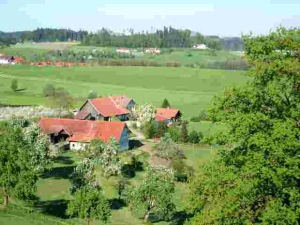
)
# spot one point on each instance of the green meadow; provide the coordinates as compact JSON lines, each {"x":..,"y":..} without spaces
{"x":188,"y":89}
{"x":53,"y":192}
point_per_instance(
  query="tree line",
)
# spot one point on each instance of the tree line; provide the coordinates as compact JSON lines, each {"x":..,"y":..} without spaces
{"x":168,"y":37}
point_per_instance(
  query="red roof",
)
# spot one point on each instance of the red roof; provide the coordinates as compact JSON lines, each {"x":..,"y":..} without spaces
{"x":108,"y":107}
{"x":81,"y":115}
{"x":166,"y":114}
{"x":18,"y":59}
{"x":83,"y":130}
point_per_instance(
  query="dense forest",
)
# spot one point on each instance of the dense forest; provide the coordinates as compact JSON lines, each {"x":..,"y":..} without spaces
{"x":166,"y":38}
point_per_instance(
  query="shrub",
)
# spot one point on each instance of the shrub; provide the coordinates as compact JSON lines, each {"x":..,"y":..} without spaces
{"x":168,"y":149}
{"x":194,"y":137}
{"x":93,"y":94}
{"x":14,"y":84}
{"x":161,"y":129}
{"x":149,"y":129}
{"x":49,"y":90}
{"x":184,"y":132}
{"x":181,"y":170}
{"x":174,"y":133}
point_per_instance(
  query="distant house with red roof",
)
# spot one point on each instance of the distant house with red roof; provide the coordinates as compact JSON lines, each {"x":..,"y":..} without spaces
{"x":169,"y":115}
{"x":106,"y":108}
{"x":79,"y":133}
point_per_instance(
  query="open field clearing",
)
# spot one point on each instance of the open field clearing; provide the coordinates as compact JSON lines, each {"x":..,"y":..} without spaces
{"x":188,"y":89}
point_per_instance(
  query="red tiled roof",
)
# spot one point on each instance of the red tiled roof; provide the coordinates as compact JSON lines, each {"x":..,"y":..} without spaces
{"x":107,"y":107}
{"x":81,"y":115}
{"x":121,"y":100}
{"x":83,"y":130}
{"x":166,"y":113}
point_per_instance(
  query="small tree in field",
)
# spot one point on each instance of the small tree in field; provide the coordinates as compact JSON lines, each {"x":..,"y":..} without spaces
{"x":154,"y":195}
{"x":89,"y":204}
{"x":14,"y":85}
{"x":165,"y":103}
{"x":17,"y":174}
{"x":167,"y":149}
{"x":49,"y":90}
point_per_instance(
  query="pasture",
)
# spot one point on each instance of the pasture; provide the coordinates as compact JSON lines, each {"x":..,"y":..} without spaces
{"x":188,"y":89}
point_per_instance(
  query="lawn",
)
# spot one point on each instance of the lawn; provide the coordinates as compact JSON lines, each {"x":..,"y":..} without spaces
{"x":188,"y":89}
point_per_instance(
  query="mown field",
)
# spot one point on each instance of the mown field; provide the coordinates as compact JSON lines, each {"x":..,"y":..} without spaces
{"x":53,"y":192}
{"x":188,"y":89}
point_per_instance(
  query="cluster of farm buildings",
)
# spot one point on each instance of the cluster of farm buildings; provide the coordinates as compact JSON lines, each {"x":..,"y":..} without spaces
{"x":100,"y":118}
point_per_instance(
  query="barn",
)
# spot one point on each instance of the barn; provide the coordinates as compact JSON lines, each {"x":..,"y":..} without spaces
{"x":106,"y":108}
{"x":169,"y":115}
{"x":79,"y":133}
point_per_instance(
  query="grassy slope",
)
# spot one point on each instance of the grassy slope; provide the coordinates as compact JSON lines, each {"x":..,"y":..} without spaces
{"x":186,"y":88}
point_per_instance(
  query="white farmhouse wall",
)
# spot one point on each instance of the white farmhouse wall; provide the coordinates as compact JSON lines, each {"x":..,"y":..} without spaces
{"x":78,"y":145}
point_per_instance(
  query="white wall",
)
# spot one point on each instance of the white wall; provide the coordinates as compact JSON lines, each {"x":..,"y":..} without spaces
{"x":78,"y":145}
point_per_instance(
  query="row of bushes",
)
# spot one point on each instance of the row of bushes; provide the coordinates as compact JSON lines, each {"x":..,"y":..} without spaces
{"x":221,"y":64}
{"x":131,"y":62}
{"x":178,"y":132}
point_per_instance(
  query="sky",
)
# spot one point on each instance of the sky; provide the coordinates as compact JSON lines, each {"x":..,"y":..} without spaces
{"x":209,"y":17}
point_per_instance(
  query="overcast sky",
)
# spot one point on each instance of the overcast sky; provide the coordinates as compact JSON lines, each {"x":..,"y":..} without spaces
{"x":220,"y":17}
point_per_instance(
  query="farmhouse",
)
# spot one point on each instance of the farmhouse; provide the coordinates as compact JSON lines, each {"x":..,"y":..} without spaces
{"x":106,"y":108}
{"x":79,"y":133}
{"x":168,"y":115}
{"x":7,"y":60}
{"x":200,"y":46}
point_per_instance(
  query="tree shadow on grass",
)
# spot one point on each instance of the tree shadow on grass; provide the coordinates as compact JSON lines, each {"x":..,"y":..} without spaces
{"x":116,"y":203}
{"x":63,"y":172}
{"x":64,"y":160}
{"x":21,"y":89}
{"x":53,"y":207}
{"x":178,"y":218}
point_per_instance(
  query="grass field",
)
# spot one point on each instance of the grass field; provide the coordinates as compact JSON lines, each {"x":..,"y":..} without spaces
{"x":188,"y":89}
{"x":53,"y":193}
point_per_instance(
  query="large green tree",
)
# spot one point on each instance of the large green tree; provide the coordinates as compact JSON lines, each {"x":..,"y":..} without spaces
{"x":17,"y":171}
{"x":154,"y":195}
{"x":89,"y":204}
{"x":255,"y":177}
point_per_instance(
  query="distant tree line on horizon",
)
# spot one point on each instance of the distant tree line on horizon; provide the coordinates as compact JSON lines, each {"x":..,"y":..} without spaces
{"x":168,"y":37}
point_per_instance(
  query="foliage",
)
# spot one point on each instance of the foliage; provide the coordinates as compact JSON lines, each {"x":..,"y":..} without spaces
{"x":61,"y":99}
{"x":39,"y":144}
{"x":174,"y":133}
{"x":17,"y":174}
{"x":93,"y":94}
{"x":149,"y":129}
{"x":166,"y":148}
{"x":14,"y":85}
{"x":184,"y":135}
{"x":165,"y":103}
{"x":161,"y":128}
{"x":49,"y":90}
{"x":200,"y":117}
{"x":89,"y":204}
{"x":154,"y":195}
{"x":195,"y":137}
{"x":254,"y":179}
{"x":144,"y":113}
{"x":181,"y":170}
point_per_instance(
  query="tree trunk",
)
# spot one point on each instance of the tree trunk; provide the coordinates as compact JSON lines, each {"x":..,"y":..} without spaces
{"x":147,"y":214}
{"x":5,"y":199}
